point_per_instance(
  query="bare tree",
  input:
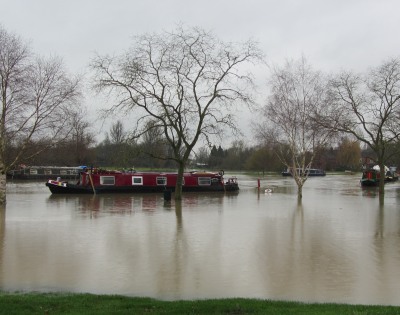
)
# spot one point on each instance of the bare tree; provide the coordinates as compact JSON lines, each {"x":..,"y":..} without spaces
{"x":368,"y":108}
{"x":80,"y":136}
{"x":117,"y":133}
{"x":187,"y":82}
{"x":154,"y":144}
{"x":297,"y":93}
{"x":37,"y":97}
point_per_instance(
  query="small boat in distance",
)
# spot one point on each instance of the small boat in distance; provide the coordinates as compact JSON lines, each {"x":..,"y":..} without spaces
{"x":391,"y":176}
{"x":106,"y":181}
{"x":310,"y":171}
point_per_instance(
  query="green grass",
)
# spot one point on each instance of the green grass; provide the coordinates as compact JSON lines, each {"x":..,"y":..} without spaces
{"x":60,"y":303}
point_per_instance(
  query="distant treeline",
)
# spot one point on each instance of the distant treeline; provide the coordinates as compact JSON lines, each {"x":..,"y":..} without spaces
{"x":262,"y":158}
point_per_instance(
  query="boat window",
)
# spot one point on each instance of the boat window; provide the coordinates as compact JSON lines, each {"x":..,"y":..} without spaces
{"x":203,"y":181}
{"x":137,"y":180}
{"x":33,"y":171}
{"x":162,"y":181}
{"x":107,"y":180}
{"x":47,"y":172}
{"x":63,"y":172}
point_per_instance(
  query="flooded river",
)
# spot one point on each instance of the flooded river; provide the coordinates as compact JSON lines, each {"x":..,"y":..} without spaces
{"x":338,"y":245}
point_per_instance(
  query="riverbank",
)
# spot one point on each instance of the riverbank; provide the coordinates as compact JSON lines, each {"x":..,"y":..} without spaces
{"x":64,"y":303}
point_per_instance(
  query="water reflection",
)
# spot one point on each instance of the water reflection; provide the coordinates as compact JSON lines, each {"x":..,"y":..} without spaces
{"x":95,"y":205}
{"x":179,"y":218}
{"x":305,"y":254}
{"x":337,"y":245}
{"x":370,"y":191}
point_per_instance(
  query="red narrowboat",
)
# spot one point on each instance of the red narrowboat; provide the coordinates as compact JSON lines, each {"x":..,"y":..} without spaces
{"x":105,"y":181}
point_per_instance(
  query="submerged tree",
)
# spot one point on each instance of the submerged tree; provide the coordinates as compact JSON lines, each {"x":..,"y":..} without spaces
{"x":37,"y":101}
{"x":297,"y":93}
{"x":186,"y":82}
{"x":368,"y":108}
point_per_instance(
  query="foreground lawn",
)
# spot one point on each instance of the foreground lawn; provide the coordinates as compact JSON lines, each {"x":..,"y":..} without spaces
{"x":49,"y":303}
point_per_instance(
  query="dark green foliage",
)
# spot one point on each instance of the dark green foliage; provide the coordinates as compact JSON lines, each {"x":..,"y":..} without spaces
{"x":216,"y":158}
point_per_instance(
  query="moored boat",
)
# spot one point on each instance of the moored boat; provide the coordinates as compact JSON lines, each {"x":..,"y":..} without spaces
{"x":44,"y":172}
{"x":309,"y":171}
{"x":371,"y":176}
{"x":105,"y":181}
{"x":391,"y":175}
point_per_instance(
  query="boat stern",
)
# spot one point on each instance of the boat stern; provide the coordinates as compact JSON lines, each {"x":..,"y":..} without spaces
{"x":231,"y":184}
{"x":56,"y":186}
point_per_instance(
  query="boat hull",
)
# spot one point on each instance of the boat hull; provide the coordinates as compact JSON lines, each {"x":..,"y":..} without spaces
{"x":369,"y":183}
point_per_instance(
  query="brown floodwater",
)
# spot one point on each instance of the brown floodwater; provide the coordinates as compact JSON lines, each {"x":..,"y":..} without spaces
{"x":338,"y":245}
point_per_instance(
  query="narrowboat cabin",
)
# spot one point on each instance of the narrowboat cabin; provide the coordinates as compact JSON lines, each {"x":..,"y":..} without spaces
{"x":105,"y":181}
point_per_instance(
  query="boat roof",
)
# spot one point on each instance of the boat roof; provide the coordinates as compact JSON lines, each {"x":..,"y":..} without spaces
{"x":202,"y":173}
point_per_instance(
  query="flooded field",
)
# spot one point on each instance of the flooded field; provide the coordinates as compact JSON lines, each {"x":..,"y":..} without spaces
{"x":338,"y":245}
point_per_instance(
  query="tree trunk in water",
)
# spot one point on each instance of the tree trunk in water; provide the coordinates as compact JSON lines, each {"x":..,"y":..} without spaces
{"x":3,"y":182}
{"x":178,"y":212}
{"x":179,"y":181}
{"x":299,"y":182}
{"x":382,"y":184}
{"x":299,"y":192}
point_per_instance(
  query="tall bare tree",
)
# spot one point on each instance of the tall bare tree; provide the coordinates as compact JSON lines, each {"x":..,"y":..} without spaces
{"x":368,"y":108}
{"x":297,"y":93}
{"x":186,"y":81}
{"x":80,"y":136}
{"x":117,"y":133}
{"x":37,"y":97}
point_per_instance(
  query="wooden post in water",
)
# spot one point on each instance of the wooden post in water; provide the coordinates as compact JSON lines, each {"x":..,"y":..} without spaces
{"x":91,"y":182}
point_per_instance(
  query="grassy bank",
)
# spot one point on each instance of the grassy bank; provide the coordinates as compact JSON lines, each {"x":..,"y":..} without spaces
{"x":49,"y":303}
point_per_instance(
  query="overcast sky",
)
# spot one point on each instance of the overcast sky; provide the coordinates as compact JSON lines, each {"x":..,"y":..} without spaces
{"x":332,"y":34}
